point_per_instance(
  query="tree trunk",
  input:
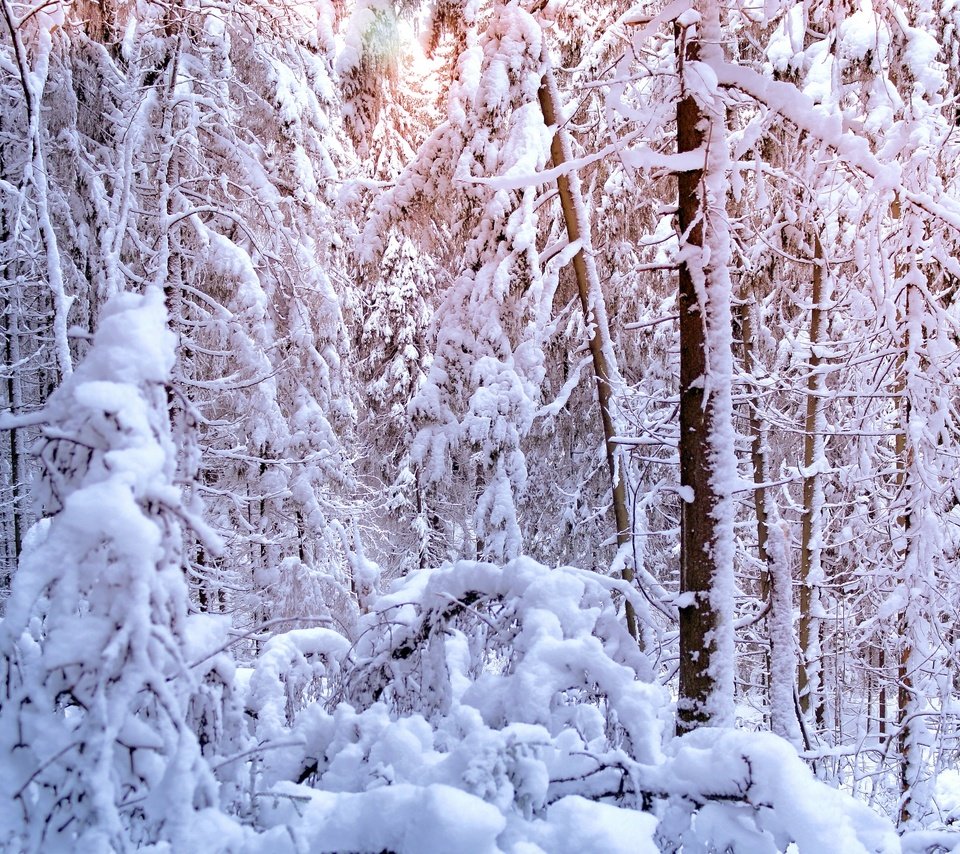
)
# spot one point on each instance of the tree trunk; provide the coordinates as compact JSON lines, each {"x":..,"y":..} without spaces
{"x":34,"y":182}
{"x":910,"y":764}
{"x":706,"y":448}
{"x":595,"y":318}
{"x":16,"y":448}
{"x":758,"y":451}
{"x":773,"y":550}
{"x":810,"y":682}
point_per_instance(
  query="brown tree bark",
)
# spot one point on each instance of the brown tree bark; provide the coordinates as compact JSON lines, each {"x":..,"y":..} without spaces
{"x":595,"y":318}
{"x":706,"y":640}
{"x":809,"y":680}
{"x":758,"y":456}
{"x":903,"y":451}
{"x":776,"y":580}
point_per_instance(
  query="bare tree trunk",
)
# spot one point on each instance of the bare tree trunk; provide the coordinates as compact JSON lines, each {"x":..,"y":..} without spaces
{"x":810,"y":681}
{"x":903,"y":451}
{"x":773,"y":549}
{"x":33,"y":81}
{"x":758,"y":451}
{"x":882,"y":701}
{"x":707,"y":462}
{"x":595,"y":318}
{"x":15,"y":436}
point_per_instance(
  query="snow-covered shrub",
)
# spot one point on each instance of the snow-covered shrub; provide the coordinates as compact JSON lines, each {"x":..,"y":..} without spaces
{"x":519,"y":644}
{"x":486,"y":695}
{"x":491,"y":708}
{"x":730,"y":790}
{"x":95,"y":751}
{"x":215,"y":714}
{"x":290,"y":673}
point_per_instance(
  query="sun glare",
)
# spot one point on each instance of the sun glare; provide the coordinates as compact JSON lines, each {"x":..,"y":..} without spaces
{"x":413,"y":55}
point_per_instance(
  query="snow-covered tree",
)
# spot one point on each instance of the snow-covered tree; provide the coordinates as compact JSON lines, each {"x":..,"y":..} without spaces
{"x":479,"y":397}
{"x":97,"y":752}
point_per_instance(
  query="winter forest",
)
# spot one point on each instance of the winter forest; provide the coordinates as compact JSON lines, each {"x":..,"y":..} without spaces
{"x":480,"y":426}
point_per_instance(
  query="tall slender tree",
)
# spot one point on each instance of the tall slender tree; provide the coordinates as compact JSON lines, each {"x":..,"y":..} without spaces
{"x":707,"y":463}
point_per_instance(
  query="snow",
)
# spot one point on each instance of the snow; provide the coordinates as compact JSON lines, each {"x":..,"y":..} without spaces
{"x":800,"y":109}
{"x":495,"y":760}
{"x":863,"y":33}
{"x":785,"y":801}
{"x":921,"y":58}
{"x":403,"y":818}
{"x":577,"y":825}
{"x":263,"y":384}
{"x":786,"y":44}
{"x":98,"y":604}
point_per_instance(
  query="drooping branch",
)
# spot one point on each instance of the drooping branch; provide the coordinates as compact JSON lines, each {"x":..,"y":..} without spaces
{"x":802,"y":111}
